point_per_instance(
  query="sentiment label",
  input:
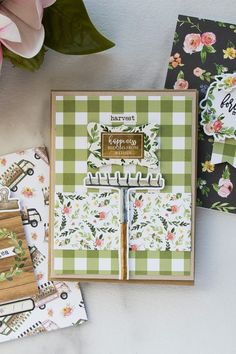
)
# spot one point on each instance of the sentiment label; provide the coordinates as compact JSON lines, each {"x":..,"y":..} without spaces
{"x":122,"y":145}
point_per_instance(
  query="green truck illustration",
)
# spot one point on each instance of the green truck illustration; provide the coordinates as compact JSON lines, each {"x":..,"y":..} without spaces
{"x":16,"y":173}
{"x":30,"y":217}
{"x":12,"y":323}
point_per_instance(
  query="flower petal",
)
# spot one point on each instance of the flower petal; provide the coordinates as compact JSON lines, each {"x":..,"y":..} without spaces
{"x":31,"y":39}
{"x":47,"y":3}
{"x":29,"y":11}
{"x":8,"y":29}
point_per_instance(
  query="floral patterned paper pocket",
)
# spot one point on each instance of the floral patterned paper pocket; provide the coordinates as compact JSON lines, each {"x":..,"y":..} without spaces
{"x":160,"y":221}
{"x":88,"y":221}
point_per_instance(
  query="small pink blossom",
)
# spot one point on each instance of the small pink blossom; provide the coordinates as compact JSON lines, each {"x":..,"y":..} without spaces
{"x":174,"y":209}
{"x":98,"y":242}
{"x":193,"y":43}
{"x":226,"y":187}
{"x":208,"y":38}
{"x":170,"y":236}
{"x":102,"y":215}
{"x":217,"y":125}
{"x":41,"y":178}
{"x":3,"y":162}
{"x":198,"y":71}
{"x":138,"y":203}
{"x":208,"y":128}
{"x":181,"y":84}
{"x":66,"y":210}
{"x":134,"y":248}
{"x":27,"y":192}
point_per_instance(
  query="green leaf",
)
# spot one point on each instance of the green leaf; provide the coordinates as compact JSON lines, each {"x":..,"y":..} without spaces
{"x":180,"y":75}
{"x":215,"y":187}
{"x":203,"y":54}
{"x":226,"y":173}
{"x":69,"y":30}
{"x":31,"y":64}
{"x":210,"y":49}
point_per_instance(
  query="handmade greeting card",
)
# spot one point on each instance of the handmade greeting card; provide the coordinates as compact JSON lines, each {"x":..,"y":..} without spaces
{"x":17,"y":277}
{"x":123,"y":185}
{"x":203,"y":57}
{"x":54,"y":304}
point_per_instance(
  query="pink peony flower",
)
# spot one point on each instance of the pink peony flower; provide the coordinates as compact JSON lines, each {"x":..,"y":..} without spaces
{"x":192,"y":43}
{"x":170,"y":236}
{"x":226,"y":187}
{"x":208,"y":38}
{"x":198,"y":72}
{"x":134,"y":248}
{"x":102,"y":215}
{"x":138,"y":203}
{"x":181,"y":84}
{"x":217,"y":125}
{"x":21,"y":30}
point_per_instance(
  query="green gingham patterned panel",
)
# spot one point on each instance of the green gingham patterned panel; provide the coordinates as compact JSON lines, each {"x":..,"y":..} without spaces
{"x":92,"y":262}
{"x":224,"y":152}
{"x":174,"y":114}
{"x":156,"y":263}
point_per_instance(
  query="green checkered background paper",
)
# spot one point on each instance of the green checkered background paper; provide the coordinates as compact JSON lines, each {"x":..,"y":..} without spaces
{"x":73,"y":113}
{"x":83,"y":262}
{"x":224,"y":152}
{"x":155,"y":263}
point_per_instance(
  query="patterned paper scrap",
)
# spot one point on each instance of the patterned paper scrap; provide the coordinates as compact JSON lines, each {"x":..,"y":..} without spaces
{"x":59,"y":304}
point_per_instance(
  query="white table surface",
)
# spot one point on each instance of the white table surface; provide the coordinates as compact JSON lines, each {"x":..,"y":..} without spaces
{"x":131,"y":319}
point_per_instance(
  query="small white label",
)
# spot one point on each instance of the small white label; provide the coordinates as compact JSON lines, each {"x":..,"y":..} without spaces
{"x":122,"y":118}
{"x":7,"y":252}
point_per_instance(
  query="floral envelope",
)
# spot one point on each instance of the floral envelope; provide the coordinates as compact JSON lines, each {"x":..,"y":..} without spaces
{"x":203,"y":57}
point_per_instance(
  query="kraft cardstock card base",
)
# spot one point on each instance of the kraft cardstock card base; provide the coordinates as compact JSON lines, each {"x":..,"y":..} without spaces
{"x":105,"y":146}
{"x":56,"y":304}
{"x":203,"y":57}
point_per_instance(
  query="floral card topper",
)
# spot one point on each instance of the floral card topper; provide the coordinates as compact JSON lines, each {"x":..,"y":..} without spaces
{"x":123,"y":145}
{"x":218,"y":117}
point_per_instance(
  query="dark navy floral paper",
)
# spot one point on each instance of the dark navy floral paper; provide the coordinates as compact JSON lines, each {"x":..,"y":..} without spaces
{"x":201,"y":50}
